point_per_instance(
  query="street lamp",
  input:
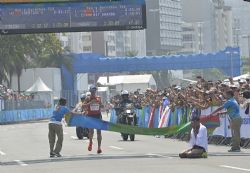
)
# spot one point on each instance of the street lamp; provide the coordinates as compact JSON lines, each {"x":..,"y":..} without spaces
{"x":107,"y":40}
{"x":231,"y":59}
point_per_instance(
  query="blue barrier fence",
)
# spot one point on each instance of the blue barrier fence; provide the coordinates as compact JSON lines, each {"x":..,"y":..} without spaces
{"x":24,"y":115}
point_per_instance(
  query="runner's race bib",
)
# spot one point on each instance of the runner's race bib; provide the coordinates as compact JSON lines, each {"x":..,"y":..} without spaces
{"x":94,"y":107}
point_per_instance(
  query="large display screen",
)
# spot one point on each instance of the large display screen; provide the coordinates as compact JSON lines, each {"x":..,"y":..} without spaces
{"x":72,"y":16}
{"x":38,"y":1}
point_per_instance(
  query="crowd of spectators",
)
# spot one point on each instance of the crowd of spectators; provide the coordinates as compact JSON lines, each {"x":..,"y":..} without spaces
{"x":11,"y":100}
{"x":201,"y":95}
{"x":9,"y":94}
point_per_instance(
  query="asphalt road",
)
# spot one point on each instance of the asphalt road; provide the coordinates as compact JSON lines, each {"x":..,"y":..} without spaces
{"x":24,"y":148}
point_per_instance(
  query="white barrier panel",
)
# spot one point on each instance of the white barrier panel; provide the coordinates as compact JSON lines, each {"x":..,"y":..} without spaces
{"x":1,"y":104}
{"x":225,"y":130}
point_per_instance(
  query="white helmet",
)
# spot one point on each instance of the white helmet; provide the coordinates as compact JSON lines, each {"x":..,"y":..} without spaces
{"x":124,"y":92}
{"x":83,"y":96}
{"x":88,"y":93}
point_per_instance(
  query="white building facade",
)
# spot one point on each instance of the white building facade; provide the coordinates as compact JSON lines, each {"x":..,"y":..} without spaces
{"x":164,"y":20}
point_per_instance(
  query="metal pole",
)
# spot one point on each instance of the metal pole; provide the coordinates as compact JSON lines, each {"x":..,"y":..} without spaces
{"x":248,"y":42}
{"x":200,"y":47}
{"x":107,"y":53}
{"x":231,"y":56}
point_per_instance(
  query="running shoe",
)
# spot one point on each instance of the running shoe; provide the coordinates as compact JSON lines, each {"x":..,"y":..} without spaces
{"x":90,"y":147}
{"x":99,"y":151}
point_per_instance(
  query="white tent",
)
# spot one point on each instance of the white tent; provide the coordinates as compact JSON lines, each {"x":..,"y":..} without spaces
{"x":129,"y":82}
{"x":39,"y":86}
{"x":235,"y":79}
{"x":41,"y":92}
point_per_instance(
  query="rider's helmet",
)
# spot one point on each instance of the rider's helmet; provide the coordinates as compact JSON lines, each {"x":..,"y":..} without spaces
{"x":88,"y":94}
{"x":124,"y":94}
{"x":82,"y":97}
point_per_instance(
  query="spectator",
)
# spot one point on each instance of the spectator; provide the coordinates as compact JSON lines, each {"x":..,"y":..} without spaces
{"x":234,"y":117}
{"x":198,"y":140}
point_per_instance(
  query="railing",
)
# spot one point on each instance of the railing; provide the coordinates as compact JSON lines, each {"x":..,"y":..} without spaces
{"x":24,"y":115}
{"x":23,"y":104}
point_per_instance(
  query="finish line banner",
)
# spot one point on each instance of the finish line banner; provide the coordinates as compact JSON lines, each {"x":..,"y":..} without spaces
{"x":88,"y":122}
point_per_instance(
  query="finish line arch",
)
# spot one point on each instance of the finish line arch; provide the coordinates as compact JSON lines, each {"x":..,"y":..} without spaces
{"x":228,"y":60}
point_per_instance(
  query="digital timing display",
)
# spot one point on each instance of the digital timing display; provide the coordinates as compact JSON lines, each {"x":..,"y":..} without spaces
{"x":72,"y":16}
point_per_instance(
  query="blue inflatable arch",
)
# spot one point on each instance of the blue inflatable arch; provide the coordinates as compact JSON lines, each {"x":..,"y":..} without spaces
{"x":228,"y":60}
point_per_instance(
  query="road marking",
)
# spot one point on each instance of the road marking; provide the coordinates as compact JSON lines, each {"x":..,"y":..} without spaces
{"x":152,"y":154}
{"x":237,"y":168}
{"x":2,"y":153}
{"x":21,"y":163}
{"x":114,"y":147}
{"x":74,"y":137}
{"x":65,"y":133}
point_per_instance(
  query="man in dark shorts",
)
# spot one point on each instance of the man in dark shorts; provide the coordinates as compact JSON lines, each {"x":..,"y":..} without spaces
{"x":93,"y":106}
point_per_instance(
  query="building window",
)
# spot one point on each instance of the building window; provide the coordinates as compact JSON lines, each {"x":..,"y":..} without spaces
{"x":87,"y":49}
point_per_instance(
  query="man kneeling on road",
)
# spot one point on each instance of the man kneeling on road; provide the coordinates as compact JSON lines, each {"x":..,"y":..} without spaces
{"x":198,"y":140}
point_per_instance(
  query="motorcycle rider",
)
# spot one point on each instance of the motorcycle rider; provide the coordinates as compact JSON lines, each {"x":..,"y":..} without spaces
{"x":124,"y":100}
{"x":79,"y":106}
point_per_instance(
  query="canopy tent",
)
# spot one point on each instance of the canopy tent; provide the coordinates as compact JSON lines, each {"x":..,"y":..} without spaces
{"x":41,"y":92}
{"x":93,"y":63}
{"x":129,"y":82}
{"x":235,"y":79}
{"x":243,"y":77}
{"x":39,"y":86}
{"x":113,"y":80}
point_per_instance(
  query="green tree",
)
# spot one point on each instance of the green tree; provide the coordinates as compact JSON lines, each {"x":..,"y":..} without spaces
{"x":18,"y":52}
{"x":162,"y":78}
{"x":245,"y":65}
{"x":132,"y":53}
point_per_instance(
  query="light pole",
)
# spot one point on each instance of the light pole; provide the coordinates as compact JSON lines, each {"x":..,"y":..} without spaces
{"x":231,"y":59}
{"x":200,"y":27}
{"x":106,"y":44}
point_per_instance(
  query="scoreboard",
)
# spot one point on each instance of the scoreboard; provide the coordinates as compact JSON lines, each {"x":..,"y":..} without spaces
{"x":71,"y":16}
{"x":38,"y":1}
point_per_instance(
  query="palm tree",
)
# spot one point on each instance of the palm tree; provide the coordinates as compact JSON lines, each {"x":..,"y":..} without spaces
{"x":3,"y":68}
{"x":5,"y":51}
{"x":56,"y":60}
{"x":18,"y":52}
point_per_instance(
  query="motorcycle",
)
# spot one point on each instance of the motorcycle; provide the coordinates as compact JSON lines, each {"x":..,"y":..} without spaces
{"x":127,"y":116}
{"x":82,"y":132}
